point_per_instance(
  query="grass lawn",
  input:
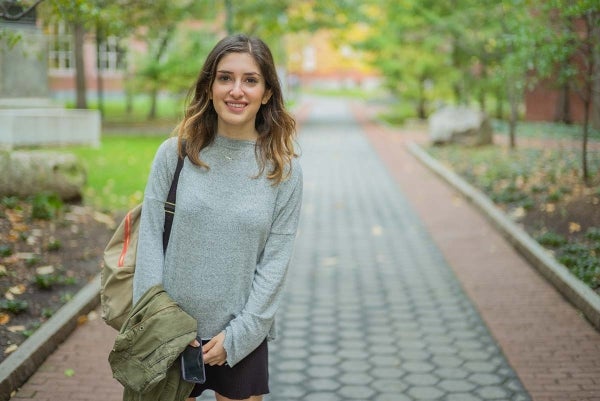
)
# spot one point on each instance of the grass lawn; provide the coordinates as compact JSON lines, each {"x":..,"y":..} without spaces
{"x":118,"y":170}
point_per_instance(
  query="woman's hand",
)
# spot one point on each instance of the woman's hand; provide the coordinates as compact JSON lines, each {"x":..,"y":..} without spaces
{"x":214,"y":353}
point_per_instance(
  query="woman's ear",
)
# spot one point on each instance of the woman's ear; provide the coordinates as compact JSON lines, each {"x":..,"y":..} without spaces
{"x":267,"y":96}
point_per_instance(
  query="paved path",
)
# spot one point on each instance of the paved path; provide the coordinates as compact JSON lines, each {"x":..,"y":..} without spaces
{"x":398,"y":291}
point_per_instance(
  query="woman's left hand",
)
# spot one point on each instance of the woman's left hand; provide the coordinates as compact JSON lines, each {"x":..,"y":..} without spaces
{"x":214,"y":353}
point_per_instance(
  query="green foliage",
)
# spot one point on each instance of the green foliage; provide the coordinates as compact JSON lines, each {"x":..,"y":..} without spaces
{"x":593,"y":234}
{"x":45,"y":206}
{"x":10,"y":202}
{"x":15,"y":306}
{"x":53,"y":245}
{"x":33,"y":260}
{"x":118,"y":169}
{"x":5,"y":250}
{"x":48,"y":281}
{"x":551,"y":239}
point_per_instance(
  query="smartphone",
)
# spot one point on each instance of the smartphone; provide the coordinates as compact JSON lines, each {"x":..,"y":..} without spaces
{"x":192,"y":364}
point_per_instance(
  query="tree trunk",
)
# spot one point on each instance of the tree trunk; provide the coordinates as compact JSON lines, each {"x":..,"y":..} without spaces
{"x":99,"y":77}
{"x":514,"y":115}
{"x":155,"y":85}
{"x":79,"y":34}
{"x":499,"y":105}
{"x":562,"y":113}
{"x":153,"y":102}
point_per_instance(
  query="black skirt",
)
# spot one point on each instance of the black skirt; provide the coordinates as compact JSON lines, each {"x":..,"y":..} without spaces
{"x":248,"y":377}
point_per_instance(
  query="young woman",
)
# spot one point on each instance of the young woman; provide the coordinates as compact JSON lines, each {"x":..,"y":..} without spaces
{"x":238,"y":204}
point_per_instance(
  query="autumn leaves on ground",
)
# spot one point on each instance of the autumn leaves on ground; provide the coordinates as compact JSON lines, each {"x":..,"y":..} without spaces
{"x":48,"y":252}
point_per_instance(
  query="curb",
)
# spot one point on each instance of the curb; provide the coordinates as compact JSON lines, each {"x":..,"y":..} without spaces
{"x":575,"y":291}
{"x":21,"y":364}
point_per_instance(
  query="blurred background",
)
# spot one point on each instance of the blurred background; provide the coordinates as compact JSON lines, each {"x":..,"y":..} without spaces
{"x":135,"y":60}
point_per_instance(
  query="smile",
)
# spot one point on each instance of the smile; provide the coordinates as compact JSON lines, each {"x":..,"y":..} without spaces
{"x":236,"y":105}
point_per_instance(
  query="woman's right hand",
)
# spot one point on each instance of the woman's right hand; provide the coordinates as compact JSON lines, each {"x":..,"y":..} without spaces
{"x":195,"y":343}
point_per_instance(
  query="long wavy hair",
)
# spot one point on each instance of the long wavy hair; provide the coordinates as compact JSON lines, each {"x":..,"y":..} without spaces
{"x":275,"y":126}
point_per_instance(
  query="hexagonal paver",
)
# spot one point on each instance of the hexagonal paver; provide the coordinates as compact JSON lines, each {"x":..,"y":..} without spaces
{"x":493,"y":393}
{"x":418,"y":367}
{"x":392,"y":397}
{"x":323,"y":396}
{"x":485,"y":379}
{"x":355,"y":378}
{"x":454,"y":386}
{"x":425,"y":393}
{"x":356,"y":392}
{"x":324,"y":384}
{"x":322,"y":371}
{"x":417,"y":379}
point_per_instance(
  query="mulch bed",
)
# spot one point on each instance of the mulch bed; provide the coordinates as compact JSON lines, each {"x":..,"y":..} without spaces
{"x":45,"y":263}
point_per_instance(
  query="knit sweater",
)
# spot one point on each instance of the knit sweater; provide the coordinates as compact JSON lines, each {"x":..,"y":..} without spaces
{"x":231,"y":241}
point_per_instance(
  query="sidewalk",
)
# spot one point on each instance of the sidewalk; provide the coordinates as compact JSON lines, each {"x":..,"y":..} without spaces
{"x":399,"y":290}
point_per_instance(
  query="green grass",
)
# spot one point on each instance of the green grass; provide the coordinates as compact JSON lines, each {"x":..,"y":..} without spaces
{"x":118,"y":170}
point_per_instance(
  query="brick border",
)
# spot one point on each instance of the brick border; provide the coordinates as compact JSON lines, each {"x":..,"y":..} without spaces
{"x":24,"y":362}
{"x":579,"y":294}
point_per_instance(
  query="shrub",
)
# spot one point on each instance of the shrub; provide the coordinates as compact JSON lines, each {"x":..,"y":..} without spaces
{"x":14,"y":305}
{"x":45,"y":206}
{"x":551,"y":239}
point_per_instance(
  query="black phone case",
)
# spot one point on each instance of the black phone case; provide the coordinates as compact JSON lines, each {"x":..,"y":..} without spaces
{"x":192,"y":365}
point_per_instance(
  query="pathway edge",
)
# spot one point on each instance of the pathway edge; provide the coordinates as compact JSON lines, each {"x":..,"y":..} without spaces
{"x":576,"y":292}
{"x":21,"y":364}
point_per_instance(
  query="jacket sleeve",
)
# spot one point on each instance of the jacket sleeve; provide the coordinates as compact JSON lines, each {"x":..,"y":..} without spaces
{"x":247,"y":330}
{"x":150,"y":259}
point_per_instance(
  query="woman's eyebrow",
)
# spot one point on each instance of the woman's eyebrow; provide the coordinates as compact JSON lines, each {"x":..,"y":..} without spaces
{"x":231,"y":72}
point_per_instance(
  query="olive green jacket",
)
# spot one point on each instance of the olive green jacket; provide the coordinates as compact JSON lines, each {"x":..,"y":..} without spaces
{"x":144,"y":358}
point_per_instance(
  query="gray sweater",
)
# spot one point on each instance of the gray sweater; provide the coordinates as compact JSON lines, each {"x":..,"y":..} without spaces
{"x":231,"y":241}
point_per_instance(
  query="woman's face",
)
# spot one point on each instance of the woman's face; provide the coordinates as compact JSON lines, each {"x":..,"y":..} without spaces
{"x":237,"y":93}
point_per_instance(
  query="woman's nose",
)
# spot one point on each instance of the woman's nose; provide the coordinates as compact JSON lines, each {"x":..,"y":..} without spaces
{"x":236,"y":90}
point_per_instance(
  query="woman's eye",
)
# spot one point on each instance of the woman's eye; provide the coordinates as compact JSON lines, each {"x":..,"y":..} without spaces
{"x":223,"y":78}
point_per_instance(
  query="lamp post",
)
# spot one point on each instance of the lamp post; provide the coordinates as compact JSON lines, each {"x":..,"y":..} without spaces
{"x":11,"y":10}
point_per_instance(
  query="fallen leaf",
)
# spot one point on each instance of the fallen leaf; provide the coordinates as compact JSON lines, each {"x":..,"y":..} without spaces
{"x":16,"y":329}
{"x":574,"y":227}
{"x":549,"y":207}
{"x":10,"y":349}
{"x":3,"y":271}
{"x":82,"y":320}
{"x":69,"y":372}
{"x":17,"y":289}
{"x":104,"y":218}
{"x":4,"y":318}
{"x":43,"y":270}
{"x":93,"y":315}
{"x":25,"y":255}
{"x":8,"y":295}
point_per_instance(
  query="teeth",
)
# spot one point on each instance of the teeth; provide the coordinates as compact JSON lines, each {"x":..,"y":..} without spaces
{"x":236,"y":105}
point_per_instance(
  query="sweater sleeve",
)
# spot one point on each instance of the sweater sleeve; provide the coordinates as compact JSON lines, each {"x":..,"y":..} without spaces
{"x":150,"y":258}
{"x":247,"y":330}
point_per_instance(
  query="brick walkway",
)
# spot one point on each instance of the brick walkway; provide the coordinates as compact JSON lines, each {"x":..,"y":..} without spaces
{"x":399,"y":290}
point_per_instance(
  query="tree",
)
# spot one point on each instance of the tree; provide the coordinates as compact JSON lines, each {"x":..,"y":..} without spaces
{"x":570,"y":53}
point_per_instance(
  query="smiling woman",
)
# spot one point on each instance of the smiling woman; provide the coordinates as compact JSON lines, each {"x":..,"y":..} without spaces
{"x":237,"y":93}
{"x":238,"y":203}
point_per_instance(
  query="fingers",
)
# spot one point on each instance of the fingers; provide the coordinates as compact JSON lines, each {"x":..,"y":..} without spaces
{"x":195,"y":343}
{"x":214,"y":353}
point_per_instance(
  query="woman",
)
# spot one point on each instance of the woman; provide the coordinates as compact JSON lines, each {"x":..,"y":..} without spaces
{"x":238,"y":204}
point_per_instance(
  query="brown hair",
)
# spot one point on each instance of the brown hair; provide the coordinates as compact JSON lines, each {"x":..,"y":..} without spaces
{"x":276,"y":127}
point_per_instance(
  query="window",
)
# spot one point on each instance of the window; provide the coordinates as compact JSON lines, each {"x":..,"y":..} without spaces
{"x":111,"y":56}
{"x":60,"y":48}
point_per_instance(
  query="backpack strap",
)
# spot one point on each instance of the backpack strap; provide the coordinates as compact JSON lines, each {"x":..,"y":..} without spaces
{"x":170,"y":203}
